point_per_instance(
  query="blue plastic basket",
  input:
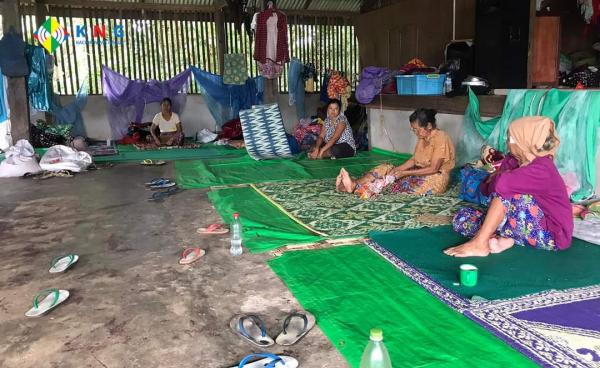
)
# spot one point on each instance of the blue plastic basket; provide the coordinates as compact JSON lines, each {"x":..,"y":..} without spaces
{"x":430,"y":84}
{"x":406,"y":84}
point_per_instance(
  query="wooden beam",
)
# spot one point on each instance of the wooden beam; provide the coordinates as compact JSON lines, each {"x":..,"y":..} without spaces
{"x":221,"y":41}
{"x":114,"y":5}
{"x":16,"y":87}
{"x":488,"y":105}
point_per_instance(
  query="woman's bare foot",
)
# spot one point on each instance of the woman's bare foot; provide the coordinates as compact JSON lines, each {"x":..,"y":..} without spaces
{"x":338,"y":182}
{"x":347,"y":184}
{"x":473,"y":248}
{"x":498,"y":245}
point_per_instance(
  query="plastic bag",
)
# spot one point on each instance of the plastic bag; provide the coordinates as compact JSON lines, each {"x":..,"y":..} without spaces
{"x":20,"y":160}
{"x":65,"y":158}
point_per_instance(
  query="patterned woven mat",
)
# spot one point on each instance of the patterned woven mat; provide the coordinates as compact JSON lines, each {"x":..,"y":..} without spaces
{"x":316,"y":205}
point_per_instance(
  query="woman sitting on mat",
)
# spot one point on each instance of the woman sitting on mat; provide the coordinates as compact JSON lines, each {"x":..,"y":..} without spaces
{"x":335,"y":140}
{"x":530,"y":205}
{"x":427,"y":172}
{"x":170,"y":132}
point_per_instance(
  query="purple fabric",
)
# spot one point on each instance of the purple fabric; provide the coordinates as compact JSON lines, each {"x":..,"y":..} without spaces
{"x":128,"y":98}
{"x":584,"y":314}
{"x":541,"y":180}
{"x":371,"y":83}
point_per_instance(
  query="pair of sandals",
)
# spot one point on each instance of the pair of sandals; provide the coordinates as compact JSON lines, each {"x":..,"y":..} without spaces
{"x":213,"y":229}
{"x":48,"y":299}
{"x":252,"y":329}
{"x":162,"y":183}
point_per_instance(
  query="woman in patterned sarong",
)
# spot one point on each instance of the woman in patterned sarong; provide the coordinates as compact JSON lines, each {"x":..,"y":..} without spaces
{"x":427,"y":172}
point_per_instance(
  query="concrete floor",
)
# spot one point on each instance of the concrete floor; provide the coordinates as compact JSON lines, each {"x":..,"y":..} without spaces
{"x":131,"y":304}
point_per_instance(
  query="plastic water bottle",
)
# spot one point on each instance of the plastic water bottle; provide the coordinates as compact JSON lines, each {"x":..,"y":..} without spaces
{"x":448,"y":83}
{"x":236,"y":236}
{"x":375,"y":354}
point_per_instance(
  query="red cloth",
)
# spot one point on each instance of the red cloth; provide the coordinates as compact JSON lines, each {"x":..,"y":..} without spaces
{"x":260,"y":45}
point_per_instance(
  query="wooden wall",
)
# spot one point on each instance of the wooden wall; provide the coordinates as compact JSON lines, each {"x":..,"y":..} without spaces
{"x":393,"y":35}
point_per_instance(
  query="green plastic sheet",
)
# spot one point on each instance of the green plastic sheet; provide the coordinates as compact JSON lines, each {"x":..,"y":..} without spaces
{"x":245,"y":170}
{"x":577,"y":118}
{"x":352,"y":289}
{"x":130,"y":153}
{"x":264,"y":226}
{"x":516,"y":272}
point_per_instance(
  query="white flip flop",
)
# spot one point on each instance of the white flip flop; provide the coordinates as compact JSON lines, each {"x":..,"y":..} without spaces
{"x":52,"y":298}
{"x":252,"y":329}
{"x":63,"y":263}
{"x":268,"y":361}
{"x":295,"y":327}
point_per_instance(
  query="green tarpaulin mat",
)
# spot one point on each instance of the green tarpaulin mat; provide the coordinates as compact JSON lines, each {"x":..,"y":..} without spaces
{"x":352,"y":289}
{"x":245,"y":170}
{"x":264,"y":226}
{"x":516,"y":272}
{"x":130,"y":153}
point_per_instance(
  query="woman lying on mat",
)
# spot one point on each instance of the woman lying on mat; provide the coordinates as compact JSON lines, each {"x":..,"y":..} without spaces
{"x":170,"y":132}
{"x":529,"y":206}
{"x":335,"y":140}
{"x":427,"y":172}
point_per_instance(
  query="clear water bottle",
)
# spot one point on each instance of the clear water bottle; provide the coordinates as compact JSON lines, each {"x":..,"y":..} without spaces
{"x":236,"y":236}
{"x":448,"y":84}
{"x":375,"y":354}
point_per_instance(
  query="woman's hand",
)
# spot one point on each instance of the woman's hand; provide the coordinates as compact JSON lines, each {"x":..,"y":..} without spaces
{"x":314,"y":154}
{"x":397,"y":173}
{"x":157,"y":141}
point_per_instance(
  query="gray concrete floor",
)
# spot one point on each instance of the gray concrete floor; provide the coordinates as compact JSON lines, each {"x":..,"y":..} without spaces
{"x":131,"y":304}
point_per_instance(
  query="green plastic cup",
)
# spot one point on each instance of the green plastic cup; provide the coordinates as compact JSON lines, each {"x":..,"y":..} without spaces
{"x":468,"y":275}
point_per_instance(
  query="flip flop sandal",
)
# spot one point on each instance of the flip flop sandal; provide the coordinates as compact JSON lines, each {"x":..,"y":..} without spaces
{"x":148,"y":162}
{"x":158,"y":196}
{"x":252,"y":329}
{"x":157,"y":181}
{"x":269,"y":361}
{"x":164,"y":185}
{"x":51,"y":299}
{"x":295,"y":327}
{"x":216,"y":229}
{"x":191,"y":255}
{"x":63,"y":263}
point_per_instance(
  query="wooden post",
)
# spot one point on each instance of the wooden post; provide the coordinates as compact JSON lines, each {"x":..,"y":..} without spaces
{"x":16,"y":88}
{"x":221,"y":41}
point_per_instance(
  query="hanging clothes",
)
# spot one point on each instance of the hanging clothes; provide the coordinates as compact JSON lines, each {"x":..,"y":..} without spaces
{"x":271,"y":46}
{"x":324,"y":96}
{"x":339,"y":88}
{"x":39,"y":81}
{"x":12,"y":54}
{"x":296,"y":87}
{"x":5,"y":137}
{"x":235,"y":71}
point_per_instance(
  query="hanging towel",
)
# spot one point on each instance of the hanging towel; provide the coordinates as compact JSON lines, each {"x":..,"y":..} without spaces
{"x":235,"y":71}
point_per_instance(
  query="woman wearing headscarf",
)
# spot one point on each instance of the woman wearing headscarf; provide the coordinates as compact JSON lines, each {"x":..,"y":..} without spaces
{"x":426,"y":173}
{"x":530,"y":205}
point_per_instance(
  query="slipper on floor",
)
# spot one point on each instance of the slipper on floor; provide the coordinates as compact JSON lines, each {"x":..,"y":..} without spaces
{"x":157,"y":181}
{"x":62,"y":263}
{"x":191,"y":255}
{"x":148,"y":162}
{"x":163,"y":185}
{"x":268,"y":361}
{"x":252,"y":329}
{"x":295,"y":327}
{"x":159,"y":196}
{"x":217,"y":229}
{"x":51,"y":299}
